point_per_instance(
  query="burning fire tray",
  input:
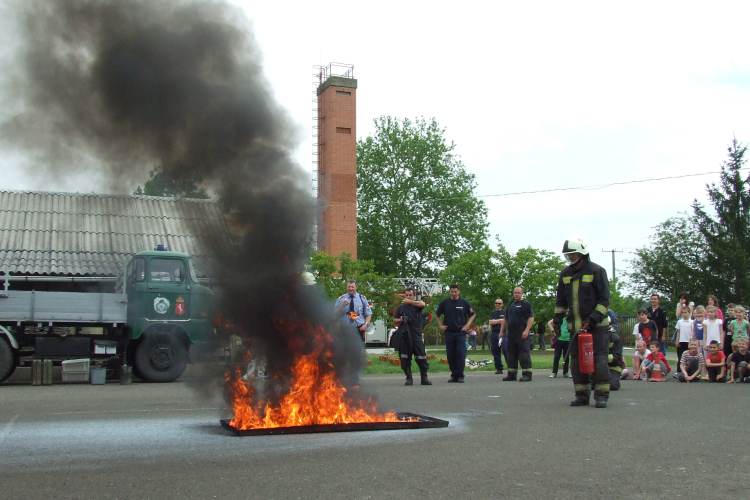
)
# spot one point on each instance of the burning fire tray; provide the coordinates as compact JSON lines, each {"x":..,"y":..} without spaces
{"x":424,"y":422}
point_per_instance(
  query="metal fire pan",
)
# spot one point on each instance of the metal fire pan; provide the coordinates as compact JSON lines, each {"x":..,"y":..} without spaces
{"x":424,"y":422}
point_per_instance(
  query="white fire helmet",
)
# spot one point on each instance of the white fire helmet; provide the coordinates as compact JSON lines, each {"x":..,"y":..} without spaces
{"x":574,"y":244}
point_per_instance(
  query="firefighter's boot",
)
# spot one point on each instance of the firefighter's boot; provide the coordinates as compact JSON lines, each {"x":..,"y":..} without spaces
{"x":510,"y":376}
{"x":425,"y":380}
{"x":409,"y":379}
{"x":582,"y":398}
{"x":525,"y":377}
{"x":601,"y":401}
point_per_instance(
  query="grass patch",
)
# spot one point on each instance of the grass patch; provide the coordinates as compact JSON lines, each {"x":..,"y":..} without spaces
{"x":541,"y":360}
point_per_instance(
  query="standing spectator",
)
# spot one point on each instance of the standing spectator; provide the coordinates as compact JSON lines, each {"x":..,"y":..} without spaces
{"x":562,"y":343}
{"x":739,"y":326}
{"x":738,"y":363}
{"x":658,"y":315}
{"x":638,"y":357}
{"x":459,"y":315}
{"x":699,"y":329}
{"x":653,"y":357}
{"x":408,"y":319}
{"x":613,"y":321}
{"x":485,"y":330}
{"x":683,"y":302}
{"x":540,"y":333}
{"x":726,"y":342}
{"x":714,"y":329}
{"x":713,"y":301}
{"x":473,"y":338}
{"x":715,"y":363}
{"x":645,"y":329}
{"x":496,"y":320}
{"x":684,"y":332}
{"x":517,"y":323}
{"x":691,"y":363}
{"x":354,"y":313}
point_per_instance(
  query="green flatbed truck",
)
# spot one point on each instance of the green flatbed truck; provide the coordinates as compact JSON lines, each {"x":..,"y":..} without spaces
{"x":159,"y":319}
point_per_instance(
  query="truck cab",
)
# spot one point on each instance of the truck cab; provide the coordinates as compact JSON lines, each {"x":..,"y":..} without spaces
{"x":169,"y":314}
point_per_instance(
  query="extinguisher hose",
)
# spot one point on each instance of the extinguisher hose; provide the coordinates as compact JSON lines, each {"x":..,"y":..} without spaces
{"x":572,"y":339}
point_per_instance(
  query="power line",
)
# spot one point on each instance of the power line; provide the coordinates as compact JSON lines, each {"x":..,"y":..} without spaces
{"x":553,"y":190}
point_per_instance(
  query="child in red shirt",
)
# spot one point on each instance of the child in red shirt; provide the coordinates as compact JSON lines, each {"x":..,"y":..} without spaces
{"x":716,"y":365}
{"x":655,"y":357}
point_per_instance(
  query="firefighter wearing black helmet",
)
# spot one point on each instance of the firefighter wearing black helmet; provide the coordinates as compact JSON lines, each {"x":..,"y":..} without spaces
{"x":583,"y":291}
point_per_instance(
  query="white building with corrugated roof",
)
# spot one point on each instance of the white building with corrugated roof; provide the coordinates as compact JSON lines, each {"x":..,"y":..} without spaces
{"x":86,"y":239}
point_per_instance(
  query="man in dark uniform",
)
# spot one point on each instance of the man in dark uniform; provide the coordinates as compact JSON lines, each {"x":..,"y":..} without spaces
{"x":615,"y":360}
{"x":516,"y":327}
{"x":496,"y":320}
{"x":408,"y":319}
{"x":459,"y":316}
{"x":583,"y":291}
{"x":658,"y":315}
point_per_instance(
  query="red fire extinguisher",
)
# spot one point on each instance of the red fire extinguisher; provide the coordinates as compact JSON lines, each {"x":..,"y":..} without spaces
{"x":586,"y":353}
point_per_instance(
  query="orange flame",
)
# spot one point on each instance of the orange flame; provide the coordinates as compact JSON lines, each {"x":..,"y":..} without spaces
{"x":315,"y":395}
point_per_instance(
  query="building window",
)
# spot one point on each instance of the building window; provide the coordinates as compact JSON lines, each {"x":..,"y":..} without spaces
{"x":342,"y":130}
{"x":343,"y":92}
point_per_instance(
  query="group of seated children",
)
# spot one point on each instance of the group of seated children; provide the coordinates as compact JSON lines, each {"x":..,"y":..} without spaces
{"x":692,"y":362}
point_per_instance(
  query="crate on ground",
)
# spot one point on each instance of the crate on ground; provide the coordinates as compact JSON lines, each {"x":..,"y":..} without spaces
{"x":76,"y":365}
{"x":75,"y":376}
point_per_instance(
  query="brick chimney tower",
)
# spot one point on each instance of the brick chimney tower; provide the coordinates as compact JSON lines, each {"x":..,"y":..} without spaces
{"x":337,"y":159}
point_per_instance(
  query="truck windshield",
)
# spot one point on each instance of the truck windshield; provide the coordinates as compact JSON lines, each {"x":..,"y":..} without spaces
{"x":172,"y":270}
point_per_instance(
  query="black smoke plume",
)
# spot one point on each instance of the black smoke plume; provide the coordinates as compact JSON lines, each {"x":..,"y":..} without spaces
{"x":133,"y":83}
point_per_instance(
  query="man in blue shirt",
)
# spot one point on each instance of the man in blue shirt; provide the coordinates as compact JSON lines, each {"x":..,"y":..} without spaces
{"x":355,"y":314}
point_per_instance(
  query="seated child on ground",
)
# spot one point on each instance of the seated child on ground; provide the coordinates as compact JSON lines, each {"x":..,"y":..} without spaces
{"x":638,"y":356}
{"x":716,"y":363}
{"x":654,"y":356}
{"x":691,"y":363}
{"x":739,"y":363}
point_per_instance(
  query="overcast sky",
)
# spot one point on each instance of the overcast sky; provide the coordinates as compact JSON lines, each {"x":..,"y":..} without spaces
{"x":536,"y":95}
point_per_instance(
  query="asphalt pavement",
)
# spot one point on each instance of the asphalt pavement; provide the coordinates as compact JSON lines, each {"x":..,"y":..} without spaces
{"x":505,"y":440}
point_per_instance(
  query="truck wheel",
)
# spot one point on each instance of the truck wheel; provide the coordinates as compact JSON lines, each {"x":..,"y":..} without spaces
{"x":161,"y":355}
{"x":7,"y":360}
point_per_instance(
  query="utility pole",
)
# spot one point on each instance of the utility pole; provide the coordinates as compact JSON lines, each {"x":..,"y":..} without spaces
{"x":613,"y":260}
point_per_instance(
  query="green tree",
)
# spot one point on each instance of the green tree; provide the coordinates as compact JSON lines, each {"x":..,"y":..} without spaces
{"x":485,"y":275}
{"x":703,"y":253}
{"x":727,"y":233}
{"x":332,"y":272}
{"x":675,"y":261}
{"x":163,"y":183}
{"x":623,"y":305}
{"x":417,"y":210}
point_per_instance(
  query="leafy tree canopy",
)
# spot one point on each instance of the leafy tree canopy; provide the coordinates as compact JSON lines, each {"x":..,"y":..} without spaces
{"x":485,"y":275}
{"x":417,"y":210}
{"x":706,"y":251}
{"x":163,"y":183}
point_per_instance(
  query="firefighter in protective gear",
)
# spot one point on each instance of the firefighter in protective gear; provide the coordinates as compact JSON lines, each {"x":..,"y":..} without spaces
{"x":615,"y":360}
{"x":408,"y":319}
{"x":583,"y":291}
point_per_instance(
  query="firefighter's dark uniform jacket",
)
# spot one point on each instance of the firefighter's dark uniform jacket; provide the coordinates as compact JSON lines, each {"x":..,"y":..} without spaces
{"x":585,"y":294}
